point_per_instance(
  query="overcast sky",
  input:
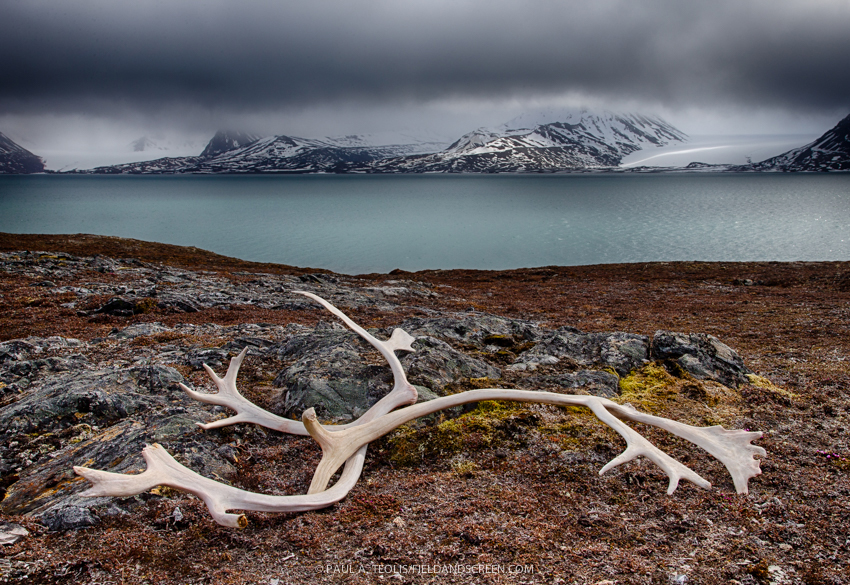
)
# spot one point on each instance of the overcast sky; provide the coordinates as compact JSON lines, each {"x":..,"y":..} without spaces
{"x":89,"y":73}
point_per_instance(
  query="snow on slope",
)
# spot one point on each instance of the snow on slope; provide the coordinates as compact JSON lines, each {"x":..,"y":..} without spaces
{"x":830,"y":152}
{"x":566,"y":141}
{"x":548,"y":141}
{"x":15,"y":159}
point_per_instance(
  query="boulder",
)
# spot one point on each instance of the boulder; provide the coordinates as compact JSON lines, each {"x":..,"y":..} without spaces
{"x":435,"y":365}
{"x":69,"y":518}
{"x":703,"y":356}
{"x":332,"y":376}
{"x":474,"y":328}
{"x":595,"y":382}
{"x":620,"y":351}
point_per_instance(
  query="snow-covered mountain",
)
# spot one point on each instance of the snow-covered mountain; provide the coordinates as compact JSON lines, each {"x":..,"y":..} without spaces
{"x":543,"y":142}
{"x":549,"y":141}
{"x":830,"y":152}
{"x":236,"y":152}
{"x":224,"y":141}
{"x":15,"y":159}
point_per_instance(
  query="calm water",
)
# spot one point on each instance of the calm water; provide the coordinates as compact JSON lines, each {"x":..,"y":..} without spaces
{"x":358,"y":224}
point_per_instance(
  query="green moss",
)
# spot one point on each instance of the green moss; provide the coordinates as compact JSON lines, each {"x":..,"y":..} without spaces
{"x":760,"y":382}
{"x":464,"y":467}
{"x":648,"y":388}
{"x":490,"y":424}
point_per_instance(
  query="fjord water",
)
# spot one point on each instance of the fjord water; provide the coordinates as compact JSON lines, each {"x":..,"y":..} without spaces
{"x":359,"y":224}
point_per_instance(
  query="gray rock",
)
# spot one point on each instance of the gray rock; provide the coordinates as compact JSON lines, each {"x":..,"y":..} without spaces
{"x":435,"y":364}
{"x":595,"y":382}
{"x":212,"y":356}
{"x":331,"y":376}
{"x":473,"y":328}
{"x":118,"y":307}
{"x":623,"y":352}
{"x":69,"y":518}
{"x":106,"y":396}
{"x":703,"y":356}
{"x":139,"y":330}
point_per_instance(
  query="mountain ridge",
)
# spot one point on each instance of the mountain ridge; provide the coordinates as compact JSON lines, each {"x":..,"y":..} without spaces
{"x":17,"y":160}
{"x":830,"y":152}
{"x":581,"y":140}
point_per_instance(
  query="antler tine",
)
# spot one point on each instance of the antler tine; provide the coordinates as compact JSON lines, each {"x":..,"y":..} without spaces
{"x":637,"y":445}
{"x":732,"y":448}
{"x":403,"y":392}
{"x":246,"y":410}
{"x":163,"y":469}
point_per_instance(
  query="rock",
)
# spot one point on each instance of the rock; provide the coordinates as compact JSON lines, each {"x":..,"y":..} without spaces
{"x":103,"y":264}
{"x":595,"y":382}
{"x":69,"y":518}
{"x":179,"y":303}
{"x":703,"y":356}
{"x":331,"y":376}
{"x":435,"y":364}
{"x":474,"y":328}
{"x":11,"y":533}
{"x":118,"y":307}
{"x":139,"y":330}
{"x":213,"y":357}
{"x":623,"y":352}
{"x":105,"y":396}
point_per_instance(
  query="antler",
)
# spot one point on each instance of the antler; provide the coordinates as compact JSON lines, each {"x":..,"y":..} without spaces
{"x":163,"y":469}
{"x":731,"y":447}
{"x":349,"y":442}
{"x":246,"y":411}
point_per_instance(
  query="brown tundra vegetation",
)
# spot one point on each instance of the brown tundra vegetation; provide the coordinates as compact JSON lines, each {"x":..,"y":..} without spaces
{"x":487,"y":493}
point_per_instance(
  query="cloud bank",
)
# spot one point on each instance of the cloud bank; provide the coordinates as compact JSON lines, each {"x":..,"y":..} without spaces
{"x":200,"y":62}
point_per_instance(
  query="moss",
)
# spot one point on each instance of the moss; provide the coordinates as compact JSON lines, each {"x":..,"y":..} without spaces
{"x":145,"y":305}
{"x":760,"y":382}
{"x":490,"y":424}
{"x":499,"y":340}
{"x":464,"y":467}
{"x":648,"y":388}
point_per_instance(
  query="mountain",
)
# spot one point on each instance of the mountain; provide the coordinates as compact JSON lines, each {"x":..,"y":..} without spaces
{"x":224,"y":141}
{"x":547,"y":142}
{"x":15,"y":159}
{"x":236,"y":152}
{"x":544,"y":142}
{"x":830,"y":152}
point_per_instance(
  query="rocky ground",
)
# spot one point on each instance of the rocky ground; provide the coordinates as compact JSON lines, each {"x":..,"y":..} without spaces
{"x":95,"y":334}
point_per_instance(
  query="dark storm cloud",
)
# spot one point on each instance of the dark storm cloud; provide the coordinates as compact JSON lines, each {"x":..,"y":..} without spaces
{"x":92,"y":56}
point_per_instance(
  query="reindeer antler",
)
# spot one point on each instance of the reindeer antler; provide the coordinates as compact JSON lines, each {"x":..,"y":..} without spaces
{"x":246,"y":411}
{"x":349,"y":442}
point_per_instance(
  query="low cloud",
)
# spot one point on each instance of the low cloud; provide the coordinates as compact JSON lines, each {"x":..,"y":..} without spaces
{"x":202,"y":63}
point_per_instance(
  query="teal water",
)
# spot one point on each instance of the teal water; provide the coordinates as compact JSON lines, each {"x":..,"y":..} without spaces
{"x":359,"y":224}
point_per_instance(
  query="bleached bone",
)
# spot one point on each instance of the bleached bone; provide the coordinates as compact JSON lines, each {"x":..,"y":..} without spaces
{"x":732,"y":448}
{"x":246,"y":411}
{"x":163,"y":469}
{"x":349,"y":442}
